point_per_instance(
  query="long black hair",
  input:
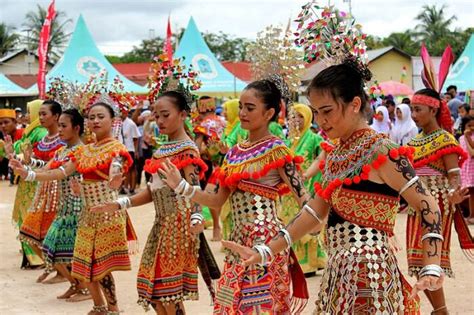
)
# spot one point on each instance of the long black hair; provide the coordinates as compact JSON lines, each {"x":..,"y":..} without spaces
{"x":75,"y":118}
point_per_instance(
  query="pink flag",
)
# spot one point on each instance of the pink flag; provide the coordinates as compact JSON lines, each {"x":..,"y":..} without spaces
{"x":168,"y":48}
{"x":43,"y":49}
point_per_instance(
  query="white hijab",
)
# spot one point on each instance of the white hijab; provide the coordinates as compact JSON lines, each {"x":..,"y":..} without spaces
{"x":382,"y":126}
{"x":404,"y":129}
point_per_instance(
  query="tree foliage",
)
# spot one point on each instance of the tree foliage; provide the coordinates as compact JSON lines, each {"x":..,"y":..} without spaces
{"x":59,"y":36}
{"x":8,"y":39}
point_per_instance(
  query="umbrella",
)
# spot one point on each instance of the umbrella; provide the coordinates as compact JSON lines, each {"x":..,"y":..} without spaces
{"x":395,"y":88}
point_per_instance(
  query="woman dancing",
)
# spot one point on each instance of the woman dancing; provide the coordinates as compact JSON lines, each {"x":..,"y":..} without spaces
{"x":101,"y":241}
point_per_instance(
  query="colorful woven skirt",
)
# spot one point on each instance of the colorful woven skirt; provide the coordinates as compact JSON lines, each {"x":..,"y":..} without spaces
{"x":58,"y":245}
{"x":41,"y":213}
{"x":438,"y":186}
{"x":362,"y":276}
{"x":168,"y":268}
{"x":101,"y":241}
{"x":256,"y":289}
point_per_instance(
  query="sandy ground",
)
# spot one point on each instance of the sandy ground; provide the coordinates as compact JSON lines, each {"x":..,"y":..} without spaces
{"x":19,"y":294}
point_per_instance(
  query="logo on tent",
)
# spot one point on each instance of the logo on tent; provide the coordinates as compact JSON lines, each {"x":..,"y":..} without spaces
{"x":89,"y":66}
{"x":205,"y":66}
{"x":460,"y":65}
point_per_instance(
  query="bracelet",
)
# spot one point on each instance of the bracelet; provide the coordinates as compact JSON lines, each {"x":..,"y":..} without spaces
{"x":432,"y":235}
{"x":63,"y":170}
{"x":265,"y":252}
{"x":181,"y":186}
{"x":196,"y":218}
{"x":408,"y":184}
{"x":117,"y":164}
{"x":430,"y":270}
{"x":312,"y":212}
{"x":31,"y":176}
{"x":287,"y":237}
{"x":454,"y":170}
{"x":124,"y":203}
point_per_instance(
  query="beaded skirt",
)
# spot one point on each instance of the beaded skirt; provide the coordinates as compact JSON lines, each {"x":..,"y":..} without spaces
{"x":168,"y":271}
{"x":58,"y":245}
{"x":438,"y":186}
{"x":362,"y":276}
{"x":41,"y":213}
{"x":101,"y":240}
{"x":256,"y":289}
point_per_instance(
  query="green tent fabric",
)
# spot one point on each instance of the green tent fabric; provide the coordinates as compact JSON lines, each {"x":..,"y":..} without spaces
{"x":216,"y":80}
{"x":462,"y":73}
{"x":82,"y":59}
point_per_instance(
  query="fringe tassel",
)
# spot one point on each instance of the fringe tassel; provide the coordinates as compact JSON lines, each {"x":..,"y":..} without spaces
{"x":469,"y":253}
{"x":297,"y":305}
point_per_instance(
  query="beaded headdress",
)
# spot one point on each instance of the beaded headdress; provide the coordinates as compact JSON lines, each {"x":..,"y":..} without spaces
{"x":332,"y":36}
{"x":172,"y":75}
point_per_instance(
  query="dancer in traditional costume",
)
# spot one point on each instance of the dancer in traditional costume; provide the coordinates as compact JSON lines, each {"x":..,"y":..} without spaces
{"x":253,"y":175}
{"x":437,"y":161}
{"x":363,"y":176}
{"x":58,"y":245}
{"x":26,"y":190}
{"x":101,"y":241}
{"x":168,"y":272}
{"x":45,"y":203}
{"x":309,"y":251}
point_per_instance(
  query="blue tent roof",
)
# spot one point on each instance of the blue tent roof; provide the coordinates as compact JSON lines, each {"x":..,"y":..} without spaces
{"x":215,"y":78}
{"x":462,"y":73}
{"x":82,"y":59}
{"x":8,"y":88}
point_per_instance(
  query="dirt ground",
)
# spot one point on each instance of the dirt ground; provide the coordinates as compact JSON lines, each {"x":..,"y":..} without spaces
{"x":19,"y":294}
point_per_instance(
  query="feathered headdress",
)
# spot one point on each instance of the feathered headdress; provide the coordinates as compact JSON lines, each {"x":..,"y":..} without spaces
{"x":430,"y":81}
{"x":172,"y":75}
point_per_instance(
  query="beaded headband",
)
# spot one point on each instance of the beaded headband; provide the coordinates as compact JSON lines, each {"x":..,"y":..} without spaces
{"x":425,"y":100}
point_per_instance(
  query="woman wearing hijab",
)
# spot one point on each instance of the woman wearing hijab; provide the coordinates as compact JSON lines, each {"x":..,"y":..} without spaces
{"x":310,"y":254}
{"x":404,"y":128}
{"x":26,"y":190}
{"x":381,"y":120}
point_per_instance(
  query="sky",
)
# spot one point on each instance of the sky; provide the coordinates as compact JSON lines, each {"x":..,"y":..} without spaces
{"x":118,"y":25}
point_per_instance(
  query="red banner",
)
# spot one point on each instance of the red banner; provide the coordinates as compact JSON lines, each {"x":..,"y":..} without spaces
{"x":168,"y":48}
{"x":43,"y":49}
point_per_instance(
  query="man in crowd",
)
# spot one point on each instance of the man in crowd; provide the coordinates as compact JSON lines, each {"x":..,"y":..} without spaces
{"x":454,"y":102}
{"x":129,"y":137}
{"x":8,"y":128}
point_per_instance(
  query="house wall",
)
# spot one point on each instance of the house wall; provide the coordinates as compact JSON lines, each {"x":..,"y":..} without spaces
{"x":389,"y":67}
{"x":19,"y":65}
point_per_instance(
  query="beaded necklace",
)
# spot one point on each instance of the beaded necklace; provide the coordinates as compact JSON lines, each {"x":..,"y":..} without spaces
{"x":46,"y":147}
{"x":352,"y":160}
{"x":63,"y":155}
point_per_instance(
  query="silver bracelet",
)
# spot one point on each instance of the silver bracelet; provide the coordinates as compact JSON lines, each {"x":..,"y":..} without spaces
{"x":287,"y":237}
{"x":430,"y":270}
{"x":312,"y":212}
{"x":454,"y":170}
{"x":124,"y":203}
{"x":31,"y":176}
{"x":190,"y":191}
{"x":196,"y":218}
{"x":432,"y":235}
{"x":181,"y":186}
{"x":408,"y":184}
{"x":63,"y":170}
{"x":265,"y":252}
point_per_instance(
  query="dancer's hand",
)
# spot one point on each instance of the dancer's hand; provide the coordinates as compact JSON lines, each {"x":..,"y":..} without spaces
{"x":429,"y":283}
{"x":27,"y":153}
{"x":106,"y":207}
{"x":115,"y":181}
{"x":18,"y":168}
{"x":458,"y":196}
{"x":171,"y":175}
{"x":248,"y":255}
{"x":8,"y":146}
{"x":197,"y":228}
{"x":75,"y":187}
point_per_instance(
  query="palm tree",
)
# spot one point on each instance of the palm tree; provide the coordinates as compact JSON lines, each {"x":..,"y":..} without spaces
{"x":433,"y":27}
{"x":8,"y":39}
{"x":58,"y":35}
{"x":403,"y":41}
